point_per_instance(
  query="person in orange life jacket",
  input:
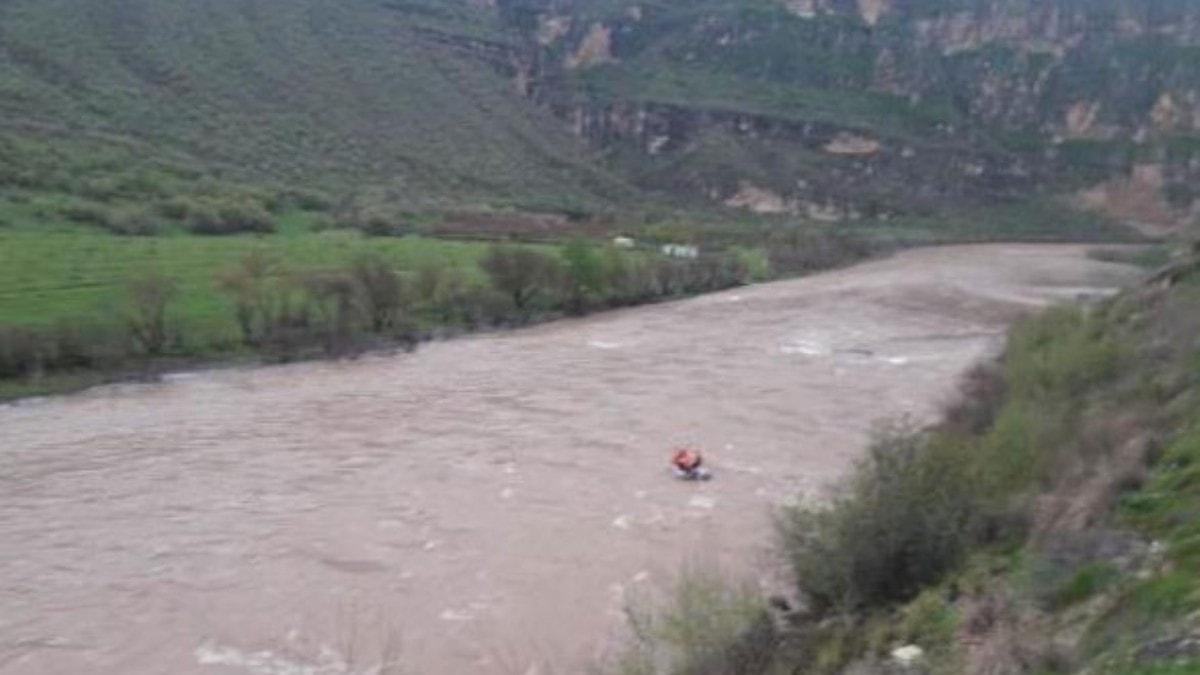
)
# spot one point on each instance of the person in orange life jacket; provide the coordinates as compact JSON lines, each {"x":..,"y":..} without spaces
{"x":687,"y":465}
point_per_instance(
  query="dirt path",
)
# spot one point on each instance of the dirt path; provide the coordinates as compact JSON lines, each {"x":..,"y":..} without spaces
{"x":483,"y":504}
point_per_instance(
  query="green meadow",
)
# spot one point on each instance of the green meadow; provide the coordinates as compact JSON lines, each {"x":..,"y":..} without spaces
{"x":47,"y":277}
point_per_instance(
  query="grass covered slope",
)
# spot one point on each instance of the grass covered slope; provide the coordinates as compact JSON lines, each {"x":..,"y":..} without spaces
{"x":1049,"y":524}
{"x":407,"y":97}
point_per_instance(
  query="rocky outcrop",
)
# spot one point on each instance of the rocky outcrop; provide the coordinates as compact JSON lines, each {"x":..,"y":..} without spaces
{"x":1081,"y":119}
{"x":1138,"y":199}
{"x":872,"y":10}
{"x":848,"y":175}
{"x":759,"y":200}
{"x":551,"y":29}
{"x":807,"y":9}
{"x":1015,"y":83}
{"x":596,"y":48}
{"x":846,"y":143}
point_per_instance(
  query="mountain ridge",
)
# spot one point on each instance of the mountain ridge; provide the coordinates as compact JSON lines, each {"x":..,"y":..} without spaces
{"x":826,"y":111}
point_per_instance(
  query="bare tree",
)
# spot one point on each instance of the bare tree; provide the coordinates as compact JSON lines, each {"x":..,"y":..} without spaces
{"x":150,"y":298}
{"x":335,"y":298}
{"x":521,"y":273}
{"x":382,"y":292}
{"x":249,"y":285}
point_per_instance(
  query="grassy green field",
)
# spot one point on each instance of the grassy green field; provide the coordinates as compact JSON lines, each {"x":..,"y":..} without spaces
{"x":70,"y":290}
{"x":66,"y":274}
{"x":79,"y":305}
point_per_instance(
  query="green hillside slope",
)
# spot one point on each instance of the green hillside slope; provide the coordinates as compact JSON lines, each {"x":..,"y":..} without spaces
{"x":340,"y":96}
{"x":868,"y":113}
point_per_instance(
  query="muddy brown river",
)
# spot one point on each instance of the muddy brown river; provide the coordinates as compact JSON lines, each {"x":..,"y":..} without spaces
{"x":484,"y":505}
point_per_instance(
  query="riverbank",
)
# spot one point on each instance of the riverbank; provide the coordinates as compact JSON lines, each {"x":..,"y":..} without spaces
{"x":1044,"y":523}
{"x":152,"y":306}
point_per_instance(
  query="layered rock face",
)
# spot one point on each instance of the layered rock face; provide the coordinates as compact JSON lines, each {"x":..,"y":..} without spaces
{"x":868,"y":108}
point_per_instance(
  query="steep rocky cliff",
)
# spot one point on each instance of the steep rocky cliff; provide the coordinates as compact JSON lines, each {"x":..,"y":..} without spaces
{"x":842,"y":109}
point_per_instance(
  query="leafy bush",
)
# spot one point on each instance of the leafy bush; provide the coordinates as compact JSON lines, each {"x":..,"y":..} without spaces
{"x":20,"y":352}
{"x":374,"y":221}
{"x":253,"y":287}
{"x":630,"y":279}
{"x":290,"y":329}
{"x":101,"y":188}
{"x":306,"y":200}
{"x":150,"y":298}
{"x":87,"y":213}
{"x":585,"y":269}
{"x":1051,"y":364}
{"x":378,"y":224}
{"x":126,"y":221}
{"x":801,"y":252}
{"x":230,"y":218}
{"x":85,"y":344}
{"x":383,"y":294}
{"x":134,"y":222}
{"x":1015,"y":452}
{"x":908,"y":515}
{"x":332,"y":304}
{"x":177,"y":208}
{"x":524,"y":275}
{"x":1061,"y":354}
{"x":708,"y":626}
{"x":929,"y":621}
{"x":1086,"y":582}
{"x":980,"y":396}
{"x":755,"y":262}
{"x":68,"y":345}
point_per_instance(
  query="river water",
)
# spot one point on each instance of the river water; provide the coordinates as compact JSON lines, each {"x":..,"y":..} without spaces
{"x":486,"y":504}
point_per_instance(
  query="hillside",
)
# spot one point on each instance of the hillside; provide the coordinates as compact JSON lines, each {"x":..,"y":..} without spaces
{"x":338,"y":96}
{"x":841,"y":110}
{"x":881,"y":113}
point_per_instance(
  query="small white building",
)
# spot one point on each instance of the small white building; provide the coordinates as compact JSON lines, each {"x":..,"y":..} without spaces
{"x":623,"y":242}
{"x":681,"y":251}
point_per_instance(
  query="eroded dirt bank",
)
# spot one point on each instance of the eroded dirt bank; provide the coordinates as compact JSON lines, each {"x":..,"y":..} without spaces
{"x":483,"y":504}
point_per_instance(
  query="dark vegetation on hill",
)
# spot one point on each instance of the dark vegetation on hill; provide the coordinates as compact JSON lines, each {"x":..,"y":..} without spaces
{"x":848,"y":110}
{"x":187,"y":180}
{"x":1048,"y":523}
{"x":132,"y":116}
{"x":174,"y":138}
{"x":339,"y":96}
